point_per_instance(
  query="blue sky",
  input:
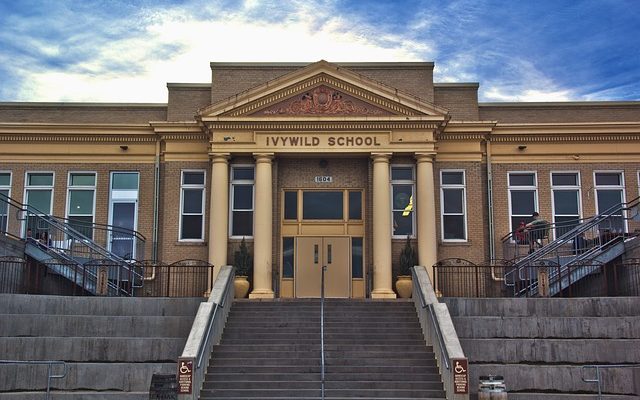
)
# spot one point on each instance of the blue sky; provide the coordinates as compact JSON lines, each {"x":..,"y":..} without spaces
{"x":126,"y":51}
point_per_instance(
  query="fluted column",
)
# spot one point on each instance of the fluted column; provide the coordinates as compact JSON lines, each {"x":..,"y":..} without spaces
{"x":426,"y":212}
{"x":219,"y":211}
{"x":382,"y":276}
{"x":262,"y":228}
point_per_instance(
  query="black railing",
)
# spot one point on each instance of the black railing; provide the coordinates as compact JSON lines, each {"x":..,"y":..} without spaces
{"x":588,"y":279}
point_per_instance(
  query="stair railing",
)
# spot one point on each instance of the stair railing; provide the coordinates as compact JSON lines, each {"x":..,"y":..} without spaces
{"x":49,"y":365}
{"x":322,"y":362}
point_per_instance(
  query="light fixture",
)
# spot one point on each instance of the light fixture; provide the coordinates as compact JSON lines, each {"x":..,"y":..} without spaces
{"x":522,"y":147}
{"x":124,"y":147}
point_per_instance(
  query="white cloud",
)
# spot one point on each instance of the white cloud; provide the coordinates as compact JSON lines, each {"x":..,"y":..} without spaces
{"x":498,"y":94}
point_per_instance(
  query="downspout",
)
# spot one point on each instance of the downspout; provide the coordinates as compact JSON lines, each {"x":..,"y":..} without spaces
{"x":156,"y":203}
{"x":492,"y":245}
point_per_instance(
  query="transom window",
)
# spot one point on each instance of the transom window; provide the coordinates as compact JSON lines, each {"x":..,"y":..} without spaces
{"x":323,"y":205}
{"x":453,"y":205}
{"x":81,"y":190}
{"x":402,"y":200}
{"x":192,"y":202}
{"x":565,"y":190}
{"x":242,"y":186}
{"x":523,"y":197}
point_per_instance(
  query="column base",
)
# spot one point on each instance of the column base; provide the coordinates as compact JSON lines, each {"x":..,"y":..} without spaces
{"x":383,"y":294}
{"x":262,"y":294}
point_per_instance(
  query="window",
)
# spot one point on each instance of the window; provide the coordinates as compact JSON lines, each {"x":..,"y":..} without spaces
{"x":192,"y":201}
{"x":565,"y":197}
{"x":609,"y":186}
{"x":355,"y":205}
{"x":39,"y":198}
{"x":288,"y":255}
{"x":357,"y":260}
{"x":5,"y":190}
{"x":290,"y":205}
{"x":523,"y":197}
{"x":402,"y":204}
{"x":242,"y":181}
{"x":322,"y":205}
{"x":81,"y":190}
{"x":123,"y":213}
{"x":453,"y":205}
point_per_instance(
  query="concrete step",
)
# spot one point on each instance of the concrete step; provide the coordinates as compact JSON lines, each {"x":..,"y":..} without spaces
{"x":569,"y":351}
{"x":330,"y":393}
{"x":329,"y":384}
{"x":329,"y":336}
{"x":77,"y":395}
{"x":328,"y":330}
{"x":339,"y":370}
{"x":81,"y":325}
{"x":85,"y":349}
{"x":82,"y":305}
{"x":417,"y":347}
{"x":548,"y":307}
{"x":315,"y":376}
{"x":548,"y":327}
{"x":218,"y":354}
{"x":120,"y":377}
{"x":315,"y":361}
{"x":568,"y":396}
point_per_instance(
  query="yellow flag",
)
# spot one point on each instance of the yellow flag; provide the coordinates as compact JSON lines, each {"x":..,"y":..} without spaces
{"x":408,"y":208}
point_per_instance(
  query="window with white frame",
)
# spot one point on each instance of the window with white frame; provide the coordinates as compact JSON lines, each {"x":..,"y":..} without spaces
{"x":192,"y":203}
{"x":402,"y":200}
{"x":81,"y":190}
{"x":565,"y":197}
{"x":453,"y":205}
{"x":523,"y":197}
{"x":242,"y":186}
{"x":39,"y":197}
{"x":609,"y":187}
{"x":5,"y":190}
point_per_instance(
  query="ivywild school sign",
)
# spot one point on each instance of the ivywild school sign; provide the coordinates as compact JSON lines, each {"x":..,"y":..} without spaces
{"x":324,"y":141}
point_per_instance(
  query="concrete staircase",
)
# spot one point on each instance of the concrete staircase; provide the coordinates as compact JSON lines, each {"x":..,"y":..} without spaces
{"x":112,"y":346}
{"x":540,"y":345}
{"x":271,"y":349}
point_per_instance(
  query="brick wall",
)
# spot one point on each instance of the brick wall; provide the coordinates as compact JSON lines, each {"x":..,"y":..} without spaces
{"x":462,"y":102}
{"x":557,"y":112}
{"x":185,"y":101}
{"x":82,"y":113}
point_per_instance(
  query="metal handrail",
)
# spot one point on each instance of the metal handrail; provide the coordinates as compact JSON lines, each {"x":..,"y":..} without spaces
{"x":212,"y":318}
{"x":597,"y":367}
{"x":322,"y":363}
{"x":48,"y":363}
{"x":434,"y":321}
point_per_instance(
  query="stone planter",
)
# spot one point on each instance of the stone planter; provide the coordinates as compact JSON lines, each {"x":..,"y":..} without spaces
{"x":241,"y":287}
{"x":404,"y":286}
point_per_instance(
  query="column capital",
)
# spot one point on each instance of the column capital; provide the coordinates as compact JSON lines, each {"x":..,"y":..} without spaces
{"x":425,"y":157}
{"x":220,"y":157}
{"x":263,"y":157}
{"x":381,"y":157}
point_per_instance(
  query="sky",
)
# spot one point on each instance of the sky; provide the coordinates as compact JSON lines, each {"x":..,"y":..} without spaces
{"x":127,"y":50}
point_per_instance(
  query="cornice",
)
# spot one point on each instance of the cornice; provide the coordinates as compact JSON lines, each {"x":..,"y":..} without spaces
{"x":567,"y":138}
{"x":45,"y":132}
{"x":75,"y":138}
{"x":320,"y":124}
{"x":570,"y":127}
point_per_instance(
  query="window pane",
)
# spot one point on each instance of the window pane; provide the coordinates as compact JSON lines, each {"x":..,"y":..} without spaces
{"x":83,"y":180}
{"x":4,"y":206}
{"x":5,"y":179}
{"x":522,"y":202}
{"x":322,"y":205}
{"x":402,"y":225}
{"x":401,"y":196}
{"x":243,"y":173}
{"x":609,"y":199}
{"x":522,"y":180}
{"x":608,"y":179}
{"x":561,"y":179}
{"x":453,"y":226}
{"x":355,"y":205}
{"x":452,"y":178}
{"x":193,"y":178}
{"x":566,"y":201}
{"x":80,"y":202}
{"x":291,"y":205}
{"x":452,"y":200}
{"x":191,"y":227}
{"x":192,"y":201}
{"x":402,"y":173}
{"x":125,"y":181}
{"x":40,"y":179}
{"x":565,"y":224}
{"x":40,"y":200}
{"x":242,"y":197}
{"x":356,"y":258}
{"x":287,"y":257}
{"x":84,"y":225}
{"x":242,"y":223}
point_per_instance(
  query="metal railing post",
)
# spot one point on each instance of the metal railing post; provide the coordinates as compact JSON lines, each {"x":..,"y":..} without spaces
{"x":324,"y":268}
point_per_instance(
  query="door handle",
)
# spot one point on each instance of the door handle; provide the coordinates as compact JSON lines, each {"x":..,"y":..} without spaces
{"x":329,"y":254}
{"x":315,"y":253}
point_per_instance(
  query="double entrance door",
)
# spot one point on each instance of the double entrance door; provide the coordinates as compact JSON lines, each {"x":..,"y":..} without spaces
{"x":315,"y":252}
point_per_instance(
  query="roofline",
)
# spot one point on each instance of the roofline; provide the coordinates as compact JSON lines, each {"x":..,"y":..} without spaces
{"x":474,"y":85}
{"x":189,"y":85}
{"x":76,"y":104}
{"x":240,"y":65}
{"x":559,"y":103}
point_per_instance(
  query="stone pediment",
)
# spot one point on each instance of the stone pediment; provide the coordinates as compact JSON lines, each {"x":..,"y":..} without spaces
{"x":321,"y":89}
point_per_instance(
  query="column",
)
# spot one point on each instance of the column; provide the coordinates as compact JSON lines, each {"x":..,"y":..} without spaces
{"x":426,"y":212}
{"x":219,"y":211}
{"x":382,"y":276}
{"x":262,"y":229}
